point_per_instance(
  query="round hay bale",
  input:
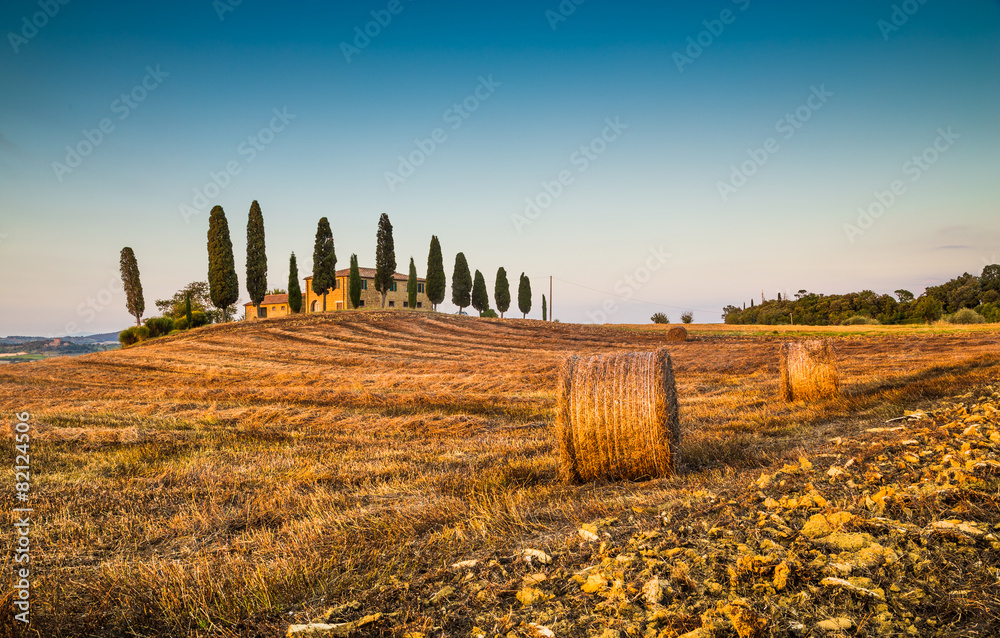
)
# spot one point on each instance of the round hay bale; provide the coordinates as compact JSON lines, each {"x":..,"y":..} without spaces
{"x":809,"y":370}
{"x":677,"y":333}
{"x":617,"y":416}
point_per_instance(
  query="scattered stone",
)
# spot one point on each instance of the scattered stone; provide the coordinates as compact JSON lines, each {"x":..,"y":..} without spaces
{"x":442,"y":594}
{"x":835,"y":624}
{"x":537,"y":554}
{"x":847,"y":585}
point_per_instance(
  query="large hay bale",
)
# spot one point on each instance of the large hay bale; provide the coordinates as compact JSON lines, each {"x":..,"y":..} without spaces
{"x":809,"y":370}
{"x":617,"y":416}
{"x":677,"y":333}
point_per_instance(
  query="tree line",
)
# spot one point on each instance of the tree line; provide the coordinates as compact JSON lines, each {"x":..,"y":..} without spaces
{"x":964,"y":299}
{"x":193,"y":305}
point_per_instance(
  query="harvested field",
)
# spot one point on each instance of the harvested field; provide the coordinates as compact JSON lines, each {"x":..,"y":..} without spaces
{"x":234,"y":479}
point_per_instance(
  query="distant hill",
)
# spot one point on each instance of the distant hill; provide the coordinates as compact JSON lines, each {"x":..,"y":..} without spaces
{"x":79,"y":339}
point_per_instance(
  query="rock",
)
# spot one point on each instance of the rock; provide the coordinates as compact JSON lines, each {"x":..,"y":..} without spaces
{"x":537,"y":554}
{"x":531,"y":595}
{"x":848,"y":586}
{"x":847,"y":541}
{"x":835,"y":624}
{"x":746,"y":622}
{"x":652,"y":591}
{"x":595,"y":582}
{"x":465,"y":564}
{"x":587,"y":535}
{"x":540,"y":631}
{"x":323,"y":629}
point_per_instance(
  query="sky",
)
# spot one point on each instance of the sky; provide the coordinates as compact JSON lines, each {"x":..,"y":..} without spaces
{"x":647,"y":156}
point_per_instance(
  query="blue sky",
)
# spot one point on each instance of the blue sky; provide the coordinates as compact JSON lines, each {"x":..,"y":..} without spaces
{"x":699,"y":193}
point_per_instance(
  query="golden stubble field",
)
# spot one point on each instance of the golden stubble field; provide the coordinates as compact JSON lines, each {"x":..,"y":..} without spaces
{"x":236,"y":478}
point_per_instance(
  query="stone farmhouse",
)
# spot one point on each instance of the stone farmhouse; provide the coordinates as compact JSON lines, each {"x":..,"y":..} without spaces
{"x":338,"y":297}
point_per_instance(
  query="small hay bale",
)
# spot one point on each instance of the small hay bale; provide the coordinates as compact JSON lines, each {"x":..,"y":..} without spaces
{"x":617,"y":416}
{"x":677,"y":333}
{"x":809,"y":370}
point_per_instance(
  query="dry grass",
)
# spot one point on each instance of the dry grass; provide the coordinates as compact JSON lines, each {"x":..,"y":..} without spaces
{"x":809,"y":370}
{"x":229,"y":480}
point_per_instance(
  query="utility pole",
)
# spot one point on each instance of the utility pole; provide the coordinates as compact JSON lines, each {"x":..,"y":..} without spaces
{"x":550,"y":297}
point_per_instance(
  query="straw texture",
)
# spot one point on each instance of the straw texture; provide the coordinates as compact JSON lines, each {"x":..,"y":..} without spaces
{"x":617,"y":416}
{"x":809,"y":370}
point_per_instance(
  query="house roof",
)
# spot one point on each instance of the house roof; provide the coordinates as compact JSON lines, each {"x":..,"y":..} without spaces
{"x":270,"y":300}
{"x":369,"y":273}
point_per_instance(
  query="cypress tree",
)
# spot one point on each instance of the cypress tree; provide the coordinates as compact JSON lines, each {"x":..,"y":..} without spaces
{"x":501,"y":291}
{"x":480,"y":298}
{"x":524,"y":295}
{"x":256,"y":256}
{"x":294,"y":290}
{"x":411,"y":286}
{"x":545,"y":310}
{"x":324,"y":260}
{"x":223,"y":285}
{"x":133,"y":287}
{"x":385,"y":257}
{"x":435,"y":285}
{"x":188,"y":315}
{"x":461,"y":283}
{"x":355,"y":284}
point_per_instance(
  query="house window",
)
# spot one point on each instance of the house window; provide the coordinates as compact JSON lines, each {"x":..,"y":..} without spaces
{"x":392,"y":287}
{"x":364,"y":284}
{"x":420,"y":288}
{"x":361,"y":304}
{"x":312,"y":308}
{"x":406,"y":304}
{"x":392,"y":304}
{"x":262,"y":312}
{"x":420,"y":304}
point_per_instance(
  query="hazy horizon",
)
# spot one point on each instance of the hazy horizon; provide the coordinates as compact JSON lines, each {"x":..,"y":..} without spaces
{"x":728,"y":147}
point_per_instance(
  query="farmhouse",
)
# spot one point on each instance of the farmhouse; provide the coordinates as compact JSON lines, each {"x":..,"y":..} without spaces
{"x":272,"y":306}
{"x":338,"y":297}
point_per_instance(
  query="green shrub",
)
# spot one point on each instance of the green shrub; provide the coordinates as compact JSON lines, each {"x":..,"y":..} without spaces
{"x":660,"y":317}
{"x":860,"y":320}
{"x":990,"y":312}
{"x":966,"y":316}
{"x":199,"y":318}
{"x":159,"y":326}
{"x":132,"y":335}
{"x":180,"y":324}
{"x":489,"y":313}
{"x":687,"y":317}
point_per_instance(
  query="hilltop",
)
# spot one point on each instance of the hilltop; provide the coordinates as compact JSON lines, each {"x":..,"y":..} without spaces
{"x":231,"y":479}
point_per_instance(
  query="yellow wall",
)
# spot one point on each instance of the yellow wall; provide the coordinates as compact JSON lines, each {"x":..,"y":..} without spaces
{"x":338,"y":299}
{"x":273,"y":310}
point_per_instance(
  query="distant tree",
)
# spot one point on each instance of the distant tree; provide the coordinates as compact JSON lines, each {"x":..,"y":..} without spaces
{"x":480,"y":298}
{"x":411,"y":286}
{"x":545,"y":309}
{"x":660,"y":317}
{"x":904,"y":296}
{"x":294,"y":290}
{"x":524,"y":296}
{"x":928,"y":308}
{"x":133,"y":286}
{"x":779,"y":296}
{"x":435,"y":286}
{"x":801,"y":293}
{"x":990,"y":278}
{"x":324,"y":260}
{"x":731,"y":313}
{"x":461,"y":283}
{"x":188,"y":313}
{"x":277,"y":291}
{"x":501,"y":291}
{"x":223,"y":285}
{"x":256,"y":257}
{"x":201,"y":302}
{"x":354,"y":285}
{"x":687,"y":316}
{"x":385,"y":257}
